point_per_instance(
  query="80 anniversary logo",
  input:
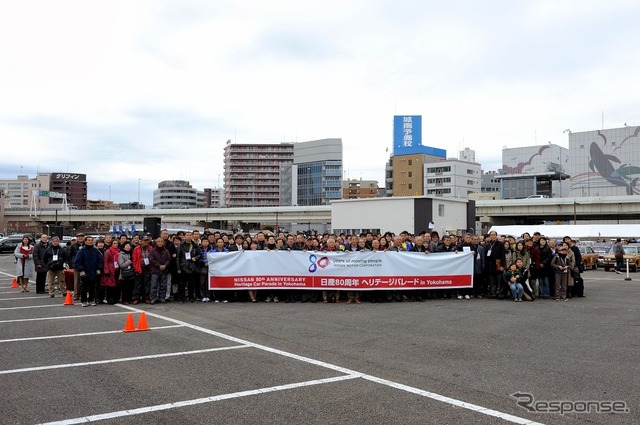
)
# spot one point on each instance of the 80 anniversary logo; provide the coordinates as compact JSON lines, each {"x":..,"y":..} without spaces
{"x":323,"y":262}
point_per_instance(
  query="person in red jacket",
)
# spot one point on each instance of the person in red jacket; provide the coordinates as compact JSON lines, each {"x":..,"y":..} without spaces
{"x":141,"y":266}
{"x":111,"y":272}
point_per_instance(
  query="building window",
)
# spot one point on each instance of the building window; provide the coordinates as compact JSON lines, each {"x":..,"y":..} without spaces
{"x":410,"y":186}
{"x":410,"y":162}
{"x":441,"y":210}
{"x":410,"y":174}
{"x":469,"y":171}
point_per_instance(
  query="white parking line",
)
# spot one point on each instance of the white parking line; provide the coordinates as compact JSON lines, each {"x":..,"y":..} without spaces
{"x":193,"y":402}
{"x":31,"y":306}
{"x":444,"y":399}
{"x":78,"y":316}
{"x":37,"y":297}
{"x":39,"y":338}
{"x":125,"y":359}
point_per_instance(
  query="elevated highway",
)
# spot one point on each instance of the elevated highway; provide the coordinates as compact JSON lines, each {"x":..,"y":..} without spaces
{"x":614,"y":210}
{"x":609,"y":209}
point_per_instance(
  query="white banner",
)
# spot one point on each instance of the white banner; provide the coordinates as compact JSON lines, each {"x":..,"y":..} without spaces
{"x":361,"y":270}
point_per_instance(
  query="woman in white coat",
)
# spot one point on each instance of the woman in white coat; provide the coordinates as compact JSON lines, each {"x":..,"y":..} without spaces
{"x":24,"y":265}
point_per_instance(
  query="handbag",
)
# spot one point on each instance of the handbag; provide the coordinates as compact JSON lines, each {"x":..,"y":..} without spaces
{"x":619,"y":255}
{"x":127,"y":273}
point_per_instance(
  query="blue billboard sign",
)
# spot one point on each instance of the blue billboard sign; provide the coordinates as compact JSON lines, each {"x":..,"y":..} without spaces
{"x":407,"y":137}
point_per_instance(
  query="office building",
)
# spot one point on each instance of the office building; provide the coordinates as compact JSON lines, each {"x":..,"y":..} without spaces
{"x":172,"y":194}
{"x":452,"y":178}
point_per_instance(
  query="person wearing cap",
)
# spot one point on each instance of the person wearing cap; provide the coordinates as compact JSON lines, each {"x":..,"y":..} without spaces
{"x":562,"y":264}
{"x":73,"y":251}
{"x":159,"y":259}
{"x":55,"y":259}
{"x":141,"y":266}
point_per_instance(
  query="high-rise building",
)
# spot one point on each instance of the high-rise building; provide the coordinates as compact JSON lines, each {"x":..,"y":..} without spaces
{"x":73,"y":185}
{"x":307,"y":173}
{"x":252,"y":173}
{"x":172,"y":194}
{"x":317,"y":167}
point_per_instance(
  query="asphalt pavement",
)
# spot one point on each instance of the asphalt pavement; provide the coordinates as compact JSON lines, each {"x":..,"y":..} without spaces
{"x":438,"y":361}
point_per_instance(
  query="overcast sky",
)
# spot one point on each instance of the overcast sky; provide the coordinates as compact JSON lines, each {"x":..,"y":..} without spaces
{"x":152,"y":90}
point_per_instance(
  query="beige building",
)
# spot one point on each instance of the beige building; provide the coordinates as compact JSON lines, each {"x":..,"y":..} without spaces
{"x":357,"y":189}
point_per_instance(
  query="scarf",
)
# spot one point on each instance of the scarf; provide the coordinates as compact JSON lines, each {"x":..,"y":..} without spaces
{"x":115,"y":252}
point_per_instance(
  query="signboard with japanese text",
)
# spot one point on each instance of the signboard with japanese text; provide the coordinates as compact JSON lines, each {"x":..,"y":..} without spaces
{"x":407,"y":134}
{"x":362,"y":270}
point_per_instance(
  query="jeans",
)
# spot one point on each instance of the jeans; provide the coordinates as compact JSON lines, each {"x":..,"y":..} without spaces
{"x":619,"y":262}
{"x":517,"y":291}
{"x":543,"y":286}
{"x":158,"y":287}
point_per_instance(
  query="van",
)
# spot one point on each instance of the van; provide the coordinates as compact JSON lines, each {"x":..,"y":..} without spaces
{"x":536,"y":196}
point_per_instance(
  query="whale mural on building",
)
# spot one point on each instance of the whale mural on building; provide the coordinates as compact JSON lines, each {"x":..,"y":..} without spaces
{"x":611,"y":168}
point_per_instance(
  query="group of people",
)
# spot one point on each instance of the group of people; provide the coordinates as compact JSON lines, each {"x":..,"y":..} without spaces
{"x":174,"y":267}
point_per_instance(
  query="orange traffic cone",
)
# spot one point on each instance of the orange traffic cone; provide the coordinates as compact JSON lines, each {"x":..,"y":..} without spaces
{"x":14,"y":284}
{"x":128,"y":326}
{"x":142,"y":323}
{"x":68,"y":299}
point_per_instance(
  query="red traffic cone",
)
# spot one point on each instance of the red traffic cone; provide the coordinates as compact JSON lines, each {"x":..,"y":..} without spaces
{"x":142,"y":323}
{"x":128,"y":326}
{"x":14,"y":284}
{"x":68,"y":300}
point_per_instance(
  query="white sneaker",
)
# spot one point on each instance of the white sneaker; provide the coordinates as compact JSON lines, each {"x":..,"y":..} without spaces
{"x":268,"y":300}
{"x":85,"y":304}
{"x":205,"y":300}
{"x":224,"y":301}
{"x":467,"y":297}
{"x":93,"y":304}
{"x":617,"y":272}
{"x":459,"y":297}
{"x":275,"y":299}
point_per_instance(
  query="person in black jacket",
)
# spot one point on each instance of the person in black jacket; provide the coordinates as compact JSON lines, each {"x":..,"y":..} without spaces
{"x":495,"y":265}
{"x":88,"y":263}
{"x":73,"y":250}
{"x":55,"y":258}
{"x":40,"y":265}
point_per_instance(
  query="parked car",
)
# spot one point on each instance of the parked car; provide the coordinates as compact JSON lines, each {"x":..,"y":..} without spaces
{"x":631,"y":255}
{"x":601,"y":249}
{"x":10,"y":243}
{"x":589,"y":257}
